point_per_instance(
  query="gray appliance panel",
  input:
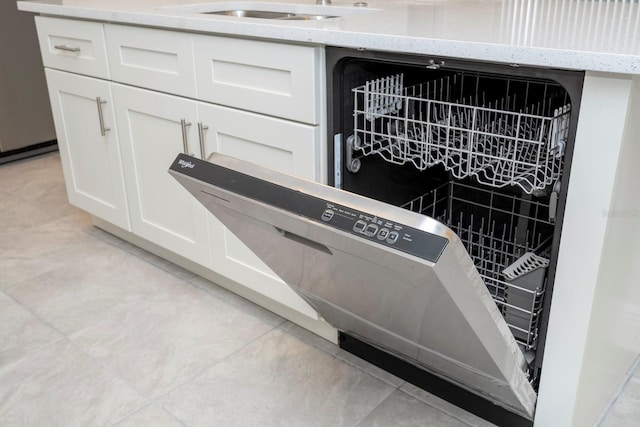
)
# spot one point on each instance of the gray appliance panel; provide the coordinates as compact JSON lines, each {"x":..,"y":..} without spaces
{"x":430,"y":308}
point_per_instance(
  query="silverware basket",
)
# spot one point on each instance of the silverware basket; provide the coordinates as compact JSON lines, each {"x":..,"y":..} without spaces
{"x":502,"y":132}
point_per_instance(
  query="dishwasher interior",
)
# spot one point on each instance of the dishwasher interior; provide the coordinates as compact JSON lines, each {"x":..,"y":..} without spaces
{"x":483,"y":148}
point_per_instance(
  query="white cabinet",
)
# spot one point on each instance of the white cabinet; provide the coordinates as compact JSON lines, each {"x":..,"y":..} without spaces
{"x":88,"y":142}
{"x":153,"y":129}
{"x":266,"y":111}
{"x":275,"y":143}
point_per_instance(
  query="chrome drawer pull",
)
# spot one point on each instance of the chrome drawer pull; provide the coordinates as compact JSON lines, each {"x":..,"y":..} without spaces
{"x":67,"y":48}
{"x":184,"y":124}
{"x":103,"y":129}
{"x":201,"y":129}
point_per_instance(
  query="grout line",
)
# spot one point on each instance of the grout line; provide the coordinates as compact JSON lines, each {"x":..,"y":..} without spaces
{"x":137,"y":411}
{"x":281,"y":328}
{"x":70,"y":342}
{"x":37,"y":316}
{"x":127,"y":247}
{"x":235,"y":304}
{"x":184,"y":275}
{"x":165,"y":265}
{"x":348,"y":362}
{"x":364,"y":417}
{"x":635,"y":367}
{"x":67,"y":337}
{"x":232,"y":354}
{"x":440,"y":409}
{"x":151,"y":404}
{"x":100,"y":364}
{"x":359,"y":368}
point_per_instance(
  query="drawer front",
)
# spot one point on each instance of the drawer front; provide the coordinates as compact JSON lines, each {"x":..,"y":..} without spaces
{"x":265,"y":77}
{"x":76,"y":46}
{"x":150,"y":58}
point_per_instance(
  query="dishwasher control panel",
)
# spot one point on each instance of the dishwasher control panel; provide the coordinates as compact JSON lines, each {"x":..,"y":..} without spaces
{"x":358,"y":223}
{"x":384,"y":231}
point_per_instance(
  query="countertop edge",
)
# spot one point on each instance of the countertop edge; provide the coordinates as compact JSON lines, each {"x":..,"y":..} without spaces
{"x":521,"y":55}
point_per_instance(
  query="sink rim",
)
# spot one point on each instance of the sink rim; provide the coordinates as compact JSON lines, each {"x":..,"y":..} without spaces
{"x":269,"y":14}
{"x":301,"y":10}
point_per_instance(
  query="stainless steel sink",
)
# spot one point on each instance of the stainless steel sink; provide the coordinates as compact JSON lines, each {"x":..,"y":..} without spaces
{"x":265,"y":14}
{"x":268,"y":10}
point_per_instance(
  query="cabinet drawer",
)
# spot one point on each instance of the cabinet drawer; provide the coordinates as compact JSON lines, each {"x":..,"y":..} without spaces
{"x":150,"y":58}
{"x":265,"y":77}
{"x":76,"y":46}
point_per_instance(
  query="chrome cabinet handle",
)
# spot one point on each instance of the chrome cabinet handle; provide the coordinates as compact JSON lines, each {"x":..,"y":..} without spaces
{"x":103,"y":130}
{"x":185,"y":143}
{"x":67,"y":48}
{"x":201,"y":129}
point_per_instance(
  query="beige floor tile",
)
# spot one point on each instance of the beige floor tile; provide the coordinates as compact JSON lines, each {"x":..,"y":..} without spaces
{"x":180,"y":332}
{"x":30,"y":252}
{"x":136,"y":324}
{"x":33,"y":193}
{"x":41,"y":240}
{"x":21,"y":332}
{"x":310,"y":338}
{"x":278,"y":381}
{"x":444,"y":406}
{"x":401,"y":409}
{"x":44,"y":191}
{"x":59,"y":385}
{"x":370,"y":368}
{"x":237,"y":301}
{"x":102,"y":283}
{"x":46,"y":163}
{"x":18,"y":215}
{"x":151,"y":416}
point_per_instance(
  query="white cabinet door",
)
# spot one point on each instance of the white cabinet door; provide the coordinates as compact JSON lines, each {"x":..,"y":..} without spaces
{"x":89,"y":149}
{"x":154,"y":128}
{"x":278,"y":144}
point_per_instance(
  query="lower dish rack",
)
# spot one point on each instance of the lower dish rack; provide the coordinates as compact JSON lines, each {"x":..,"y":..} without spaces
{"x":502,"y":132}
{"x":508,"y":238}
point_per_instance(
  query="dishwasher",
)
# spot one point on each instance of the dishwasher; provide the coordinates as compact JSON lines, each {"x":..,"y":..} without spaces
{"x":433,"y":249}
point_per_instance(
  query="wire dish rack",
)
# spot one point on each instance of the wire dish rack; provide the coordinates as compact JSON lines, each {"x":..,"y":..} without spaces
{"x":507,"y":237}
{"x":503,"y":132}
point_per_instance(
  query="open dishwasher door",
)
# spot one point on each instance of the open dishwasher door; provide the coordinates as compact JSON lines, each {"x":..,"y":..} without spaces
{"x":396,"y":279}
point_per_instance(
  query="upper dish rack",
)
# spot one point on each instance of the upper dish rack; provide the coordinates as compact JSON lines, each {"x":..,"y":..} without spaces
{"x":502,"y":132}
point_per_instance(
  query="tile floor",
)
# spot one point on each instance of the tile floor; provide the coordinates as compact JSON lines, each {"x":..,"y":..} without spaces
{"x":96,"y":332}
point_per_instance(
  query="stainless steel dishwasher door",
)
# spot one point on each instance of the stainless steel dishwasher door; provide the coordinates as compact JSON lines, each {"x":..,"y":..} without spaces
{"x":398,"y":280}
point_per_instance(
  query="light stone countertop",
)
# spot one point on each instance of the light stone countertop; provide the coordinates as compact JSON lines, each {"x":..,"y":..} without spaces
{"x":593,"y":35}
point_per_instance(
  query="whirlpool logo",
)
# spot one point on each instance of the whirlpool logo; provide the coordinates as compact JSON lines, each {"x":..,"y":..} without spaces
{"x":186,"y":164}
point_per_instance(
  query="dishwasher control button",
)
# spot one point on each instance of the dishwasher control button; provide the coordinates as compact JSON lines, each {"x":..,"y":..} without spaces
{"x":327,"y":215}
{"x":371,"y":230}
{"x":383,"y":234}
{"x":359,"y":226}
{"x":393,"y":237}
